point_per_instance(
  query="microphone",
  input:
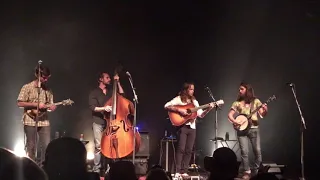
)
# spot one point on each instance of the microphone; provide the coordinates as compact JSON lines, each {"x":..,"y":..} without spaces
{"x":127,"y":73}
{"x":290,"y":84}
{"x":39,"y":73}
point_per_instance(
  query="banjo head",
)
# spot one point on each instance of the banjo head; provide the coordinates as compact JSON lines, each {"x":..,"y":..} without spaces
{"x":243,"y":120}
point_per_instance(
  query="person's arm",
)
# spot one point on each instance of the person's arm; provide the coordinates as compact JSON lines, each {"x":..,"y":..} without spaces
{"x":170,"y":105}
{"x":93,"y":104}
{"x":202,"y":113}
{"x":52,"y":107}
{"x":22,"y":100}
{"x":231,"y":116}
{"x":121,"y":91}
{"x":232,"y":111}
{"x":263,"y":111}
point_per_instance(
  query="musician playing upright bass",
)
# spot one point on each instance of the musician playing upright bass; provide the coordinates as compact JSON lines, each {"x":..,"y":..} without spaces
{"x":187,"y":132}
{"x":97,"y":100}
{"x":245,"y":103}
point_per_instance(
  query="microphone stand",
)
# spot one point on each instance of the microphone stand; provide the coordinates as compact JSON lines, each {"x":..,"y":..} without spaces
{"x":37,"y":114}
{"x":302,"y":128}
{"x":216,"y":118}
{"x":135,"y":100}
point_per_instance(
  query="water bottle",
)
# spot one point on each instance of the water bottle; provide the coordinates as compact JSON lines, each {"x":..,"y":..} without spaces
{"x":165,"y":133}
{"x":56,"y":136}
{"x":227,"y":136}
{"x":81,"y":137}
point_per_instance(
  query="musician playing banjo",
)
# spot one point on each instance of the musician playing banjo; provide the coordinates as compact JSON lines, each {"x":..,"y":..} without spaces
{"x":187,"y":132}
{"x":245,"y":103}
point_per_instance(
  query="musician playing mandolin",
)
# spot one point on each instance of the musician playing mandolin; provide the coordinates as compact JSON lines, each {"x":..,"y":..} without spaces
{"x":97,"y":100}
{"x":27,"y":99}
{"x":245,"y":103}
{"x":187,"y":132}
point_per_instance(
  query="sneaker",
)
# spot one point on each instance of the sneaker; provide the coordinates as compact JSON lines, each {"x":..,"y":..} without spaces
{"x":177,"y":175}
{"x":184,"y":174}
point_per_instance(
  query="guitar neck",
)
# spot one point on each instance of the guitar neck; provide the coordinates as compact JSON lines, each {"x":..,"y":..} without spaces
{"x":56,"y":104}
{"x":200,"y":107}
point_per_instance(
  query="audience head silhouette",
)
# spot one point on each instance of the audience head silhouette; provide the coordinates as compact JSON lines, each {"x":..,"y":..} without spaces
{"x":121,"y":170}
{"x":66,"y":159}
{"x":13,"y":167}
{"x":157,"y":173}
{"x":222,"y":165}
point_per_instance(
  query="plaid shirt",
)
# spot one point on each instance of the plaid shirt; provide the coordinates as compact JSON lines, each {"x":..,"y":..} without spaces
{"x":29,"y":93}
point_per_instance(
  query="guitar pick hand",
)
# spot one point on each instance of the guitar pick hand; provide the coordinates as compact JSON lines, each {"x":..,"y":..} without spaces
{"x":52,"y":107}
{"x":183,"y":111}
{"x":42,"y":106}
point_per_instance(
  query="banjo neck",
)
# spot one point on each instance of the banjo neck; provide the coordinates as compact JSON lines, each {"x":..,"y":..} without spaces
{"x":257,"y":109}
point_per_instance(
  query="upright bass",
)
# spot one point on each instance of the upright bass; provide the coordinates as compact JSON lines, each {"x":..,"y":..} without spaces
{"x":117,"y":139}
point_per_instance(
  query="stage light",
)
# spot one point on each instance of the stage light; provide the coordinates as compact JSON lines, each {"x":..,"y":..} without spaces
{"x":19,"y":149}
{"x":90,"y":155}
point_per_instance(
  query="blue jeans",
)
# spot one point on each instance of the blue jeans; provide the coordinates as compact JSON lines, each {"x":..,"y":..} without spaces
{"x":254,"y":137}
{"x":97,"y":135}
{"x":44,"y":139}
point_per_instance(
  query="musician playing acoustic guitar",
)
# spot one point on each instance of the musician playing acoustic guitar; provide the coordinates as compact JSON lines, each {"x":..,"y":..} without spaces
{"x":27,"y":99}
{"x":245,"y":103}
{"x":187,"y":132}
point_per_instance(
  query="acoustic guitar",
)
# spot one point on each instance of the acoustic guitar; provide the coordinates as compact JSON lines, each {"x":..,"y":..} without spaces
{"x":246,"y":121}
{"x":178,"y":119}
{"x":32,"y":113}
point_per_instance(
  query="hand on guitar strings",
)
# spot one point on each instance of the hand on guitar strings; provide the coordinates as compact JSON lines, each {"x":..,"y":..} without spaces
{"x":183,"y":112}
{"x":42,"y":106}
{"x":212,"y":105}
{"x":52,"y":107}
{"x":108,"y":108}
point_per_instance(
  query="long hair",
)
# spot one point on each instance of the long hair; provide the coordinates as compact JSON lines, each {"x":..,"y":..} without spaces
{"x":249,"y":95}
{"x":184,"y":92}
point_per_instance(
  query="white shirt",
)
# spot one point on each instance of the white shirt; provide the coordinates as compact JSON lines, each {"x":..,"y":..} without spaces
{"x":177,"y":101}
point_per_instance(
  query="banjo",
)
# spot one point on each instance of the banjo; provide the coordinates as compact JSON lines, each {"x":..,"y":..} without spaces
{"x":246,"y":121}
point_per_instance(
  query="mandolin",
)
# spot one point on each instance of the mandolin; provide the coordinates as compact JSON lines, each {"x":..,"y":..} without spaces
{"x":32,"y":113}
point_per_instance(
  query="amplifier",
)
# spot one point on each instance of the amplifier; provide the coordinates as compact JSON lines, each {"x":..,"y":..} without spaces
{"x":144,"y":150}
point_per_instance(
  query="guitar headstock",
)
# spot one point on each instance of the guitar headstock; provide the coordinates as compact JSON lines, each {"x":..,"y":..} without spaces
{"x":272,"y":98}
{"x":219,"y":102}
{"x":67,"y":102}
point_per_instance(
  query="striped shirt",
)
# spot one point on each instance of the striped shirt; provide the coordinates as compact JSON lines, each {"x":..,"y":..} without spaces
{"x":29,"y":93}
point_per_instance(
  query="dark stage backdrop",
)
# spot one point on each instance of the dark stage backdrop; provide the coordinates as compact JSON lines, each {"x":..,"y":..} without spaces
{"x":162,"y":45}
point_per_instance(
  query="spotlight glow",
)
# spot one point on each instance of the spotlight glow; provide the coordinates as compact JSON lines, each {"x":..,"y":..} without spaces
{"x":90,"y":155}
{"x":19,"y":149}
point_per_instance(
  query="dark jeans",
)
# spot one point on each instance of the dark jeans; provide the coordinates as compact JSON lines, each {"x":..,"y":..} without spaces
{"x":254,"y":137}
{"x":186,"y":138}
{"x":43,"y":134}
